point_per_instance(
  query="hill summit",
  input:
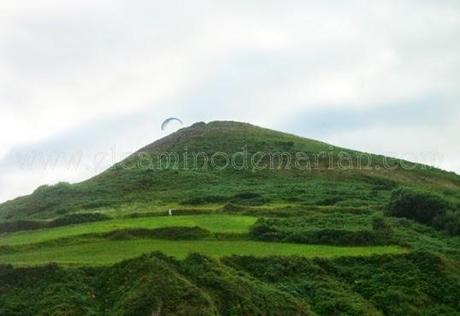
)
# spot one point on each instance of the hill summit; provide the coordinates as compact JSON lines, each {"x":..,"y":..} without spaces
{"x":212,"y":163}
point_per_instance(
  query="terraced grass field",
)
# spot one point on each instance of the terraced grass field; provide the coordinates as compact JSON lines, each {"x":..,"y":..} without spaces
{"x":108,"y":252}
{"x":214,"y":223}
{"x":71,"y":245}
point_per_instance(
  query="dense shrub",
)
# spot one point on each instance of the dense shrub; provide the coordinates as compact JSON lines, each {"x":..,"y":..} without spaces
{"x":58,"y":188}
{"x":297,"y":230}
{"x":13,"y":226}
{"x":208,"y":199}
{"x":332,"y":200}
{"x":379,"y":224}
{"x":412,"y":284}
{"x":420,"y":206}
{"x":323,"y":236}
{"x":181,"y":233}
{"x":148,"y":285}
{"x":242,"y":198}
{"x":449,"y":222}
{"x":78,"y":218}
{"x":70,"y":219}
{"x":425,"y":208}
{"x":249,"y":198}
{"x":232,"y":207}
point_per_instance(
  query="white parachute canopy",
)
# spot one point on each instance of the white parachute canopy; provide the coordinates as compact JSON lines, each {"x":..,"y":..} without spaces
{"x":166,"y":122}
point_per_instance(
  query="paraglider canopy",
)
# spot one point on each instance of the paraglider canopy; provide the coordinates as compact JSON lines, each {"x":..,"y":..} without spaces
{"x":169,"y":120}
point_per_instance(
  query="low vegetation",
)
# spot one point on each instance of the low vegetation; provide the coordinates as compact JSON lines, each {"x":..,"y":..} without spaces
{"x":325,"y":228}
{"x":70,"y":219}
{"x":413,"y":284}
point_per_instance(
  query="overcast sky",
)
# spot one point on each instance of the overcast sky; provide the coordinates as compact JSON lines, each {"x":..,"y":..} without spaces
{"x":89,"y":81}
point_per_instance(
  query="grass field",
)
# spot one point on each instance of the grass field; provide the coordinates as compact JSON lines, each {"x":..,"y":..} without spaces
{"x":108,"y":252}
{"x":213,"y":223}
{"x":29,"y":248}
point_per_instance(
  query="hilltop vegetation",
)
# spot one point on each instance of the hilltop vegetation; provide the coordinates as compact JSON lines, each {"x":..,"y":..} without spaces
{"x":263,"y":223}
{"x":195,"y":173}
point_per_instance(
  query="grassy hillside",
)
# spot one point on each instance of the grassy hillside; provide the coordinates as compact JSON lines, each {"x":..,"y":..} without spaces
{"x":263,"y":223}
{"x":321,"y":175}
{"x":214,"y":223}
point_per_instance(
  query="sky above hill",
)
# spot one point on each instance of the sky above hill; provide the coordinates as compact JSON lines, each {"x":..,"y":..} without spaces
{"x":85,"y":82}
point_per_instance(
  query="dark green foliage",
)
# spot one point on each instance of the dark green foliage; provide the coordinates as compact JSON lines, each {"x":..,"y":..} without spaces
{"x":413,"y":284}
{"x":181,"y":233}
{"x":77,"y":218}
{"x":450,"y":222}
{"x":401,"y":285}
{"x":145,"y":286}
{"x":232,"y":207}
{"x":325,"y":236}
{"x":21,"y":225}
{"x":206,"y":200}
{"x":425,"y":208}
{"x":150,"y":285}
{"x":417,"y":205}
{"x":379,"y":223}
{"x":249,"y":198}
{"x":333,"y":229}
{"x":382,"y":227}
{"x":69,"y":219}
{"x":330,"y":200}
{"x":236,"y":294}
{"x":307,"y":280}
{"x":45,"y":291}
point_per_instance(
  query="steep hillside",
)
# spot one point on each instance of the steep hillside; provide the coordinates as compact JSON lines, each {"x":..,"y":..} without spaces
{"x":219,"y":162}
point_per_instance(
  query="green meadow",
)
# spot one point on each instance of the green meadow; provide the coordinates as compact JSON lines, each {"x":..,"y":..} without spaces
{"x":214,"y":223}
{"x":82,"y":244}
{"x":108,"y":252}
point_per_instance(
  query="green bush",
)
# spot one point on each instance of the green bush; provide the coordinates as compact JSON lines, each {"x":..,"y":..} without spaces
{"x":413,"y":284}
{"x":77,"y":218}
{"x":208,"y":199}
{"x":420,"y":206}
{"x":425,"y":208}
{"x":14,"y":226}
{"x":450,"y":222}
{"x":249,"y":198}
{"x":296,"y":230}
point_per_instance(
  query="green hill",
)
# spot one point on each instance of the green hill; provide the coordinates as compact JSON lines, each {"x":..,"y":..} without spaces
{"x":261,"y":223}
{"x":318,"y":174}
